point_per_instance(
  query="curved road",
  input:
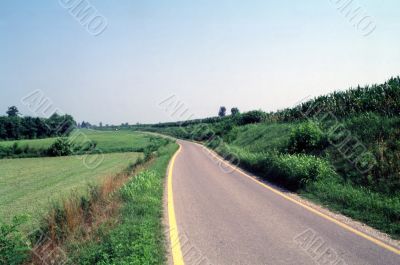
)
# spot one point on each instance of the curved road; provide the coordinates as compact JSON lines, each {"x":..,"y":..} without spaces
{"x":233,"y":219}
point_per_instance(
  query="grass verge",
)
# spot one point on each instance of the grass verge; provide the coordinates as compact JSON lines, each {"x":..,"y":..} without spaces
{"x":315,"y":179}
{"x":138,"y":237}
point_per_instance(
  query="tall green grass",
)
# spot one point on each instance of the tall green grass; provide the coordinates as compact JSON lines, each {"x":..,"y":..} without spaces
{"x":373,"y":208}
{"x":293,"y":171}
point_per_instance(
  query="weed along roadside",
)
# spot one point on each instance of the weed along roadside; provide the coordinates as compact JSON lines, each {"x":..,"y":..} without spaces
{"x":117,"y":221}
{"x":77,"y":218}
{"x":138,"y":238}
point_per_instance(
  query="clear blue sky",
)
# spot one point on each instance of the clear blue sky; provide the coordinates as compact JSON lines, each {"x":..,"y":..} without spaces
{"x":250,"y":54}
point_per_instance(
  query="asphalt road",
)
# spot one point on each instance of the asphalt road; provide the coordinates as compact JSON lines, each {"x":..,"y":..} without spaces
{"x":231,"y":219}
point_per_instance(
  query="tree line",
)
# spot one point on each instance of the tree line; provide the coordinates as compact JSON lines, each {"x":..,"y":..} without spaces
{"x":15,"y":127}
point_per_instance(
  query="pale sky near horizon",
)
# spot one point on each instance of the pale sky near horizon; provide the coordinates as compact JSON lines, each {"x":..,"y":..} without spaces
{"x":250,"y":54}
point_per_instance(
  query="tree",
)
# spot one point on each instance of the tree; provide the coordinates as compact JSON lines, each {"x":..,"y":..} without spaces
{"x":234,"y":111}
{"x":101,"y":125}
{"x":222,"y":111}
{"x":43,"y":129}
{"x":66,"y":124}
{"x":85,"y":125}
{"x":12,"y":111}
{"x":15,"y":127}
{"x":3,"y":131}
{"x":29,"y":129}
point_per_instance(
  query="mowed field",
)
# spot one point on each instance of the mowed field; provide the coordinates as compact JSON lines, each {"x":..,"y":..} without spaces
{"x":107,"y":141}
{"x":29,"y":185}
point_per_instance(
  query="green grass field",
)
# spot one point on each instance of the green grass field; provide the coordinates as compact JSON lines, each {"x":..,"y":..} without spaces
{"x":28,"y":186}
{"x":107,"y":141}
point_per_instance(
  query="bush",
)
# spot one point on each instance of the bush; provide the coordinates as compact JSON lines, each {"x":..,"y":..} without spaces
{"x":13,"y":246}
{"x":255,"y":116}
{"x":307,"y":138}
{"x":61,"y":147}
{"x":16,"y":151}
{"x":298,"y":170}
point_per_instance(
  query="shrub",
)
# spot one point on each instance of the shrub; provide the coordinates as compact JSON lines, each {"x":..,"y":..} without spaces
{"x":16,"y":151}
{"x":255,"y":116}
{"x":307,"y":138}
{"x":13,"y":246}
{"x":61,"y":147}
{"x":298,"y":170}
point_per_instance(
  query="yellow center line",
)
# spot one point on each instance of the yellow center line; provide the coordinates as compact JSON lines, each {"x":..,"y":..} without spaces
{"x":343,"y":225}
{"x":173,"y":227}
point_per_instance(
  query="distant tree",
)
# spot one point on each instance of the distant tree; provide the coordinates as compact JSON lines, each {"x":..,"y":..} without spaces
{"x":66,"y":125}
{"x":85,"y":125}
{"x":3,"y":131}
{"x":234,"y":111}
{"x":53,"y":122}
{"x":43,"y":130}
{"x":12,"y":111}
{"x":29,"y":129}
{"x":222,"y":111}
{"x":101,"y":125}
{"x":14,"y":127}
